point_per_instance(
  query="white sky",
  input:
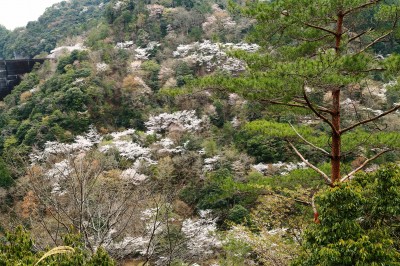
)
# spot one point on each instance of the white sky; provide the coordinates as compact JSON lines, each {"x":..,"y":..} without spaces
{"x":17,"y":13}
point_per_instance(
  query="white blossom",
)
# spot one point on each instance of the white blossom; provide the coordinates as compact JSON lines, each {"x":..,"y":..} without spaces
{"x":121,"y":134}
{"x":133,"y":176}
{"x":234,"y":99}
{"x":185,"y":120}
{"x":279,"y":167}
{"x":374,"y":111}
{"x":219,"y":16}
{"x":348,"y":101}
{"x":233,"y":65}
{"x":167,"y":145}
{"x":235,"y":122}
{"x":58,"y":172}
{"x":78,"y":81}
{"x":200,"y":234}
{"x":81,"y":143}
{"x":209,"y":163}
{"x":155,"y":10}
{"x":124,"y":45}
{"x":102,"y":67}
{"x":213,"y":55}
{"x":84,"y":10}
{"x":378,"y":91}
{"x":86,"y":141}
{"x":144,"y":244}
{"x":57,"y":52}
{"x":127,"y":149}
{"x":130,"y":245}
{"x":262,"y":168}
{"x":35,"y":89}
{"x":144,"y":53}
{"x":119,"y":4}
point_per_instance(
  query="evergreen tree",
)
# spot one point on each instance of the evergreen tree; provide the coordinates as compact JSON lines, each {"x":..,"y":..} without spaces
{"x":312,"y":49}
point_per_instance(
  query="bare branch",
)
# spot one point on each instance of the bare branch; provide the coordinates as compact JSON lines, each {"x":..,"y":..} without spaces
{"x":363,"y":165}
{"x":309,"y":143}
{"x":327,"y":179}
{"x":315,"y":39}
{"x":359,"y":35}
{"x":375,"y":41}
{"x":315,"y":211}
{"x":395,"y":108}
{"x":320,"y":28}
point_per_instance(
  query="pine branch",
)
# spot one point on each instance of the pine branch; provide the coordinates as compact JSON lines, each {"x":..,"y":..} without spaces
{"x":320,"y":28}
{"x":327,"y":179}
{"x":313,"y":40}
{"x":374,"y":42}
{"x":359,"y":35}
{"x":326,"y":120}
{"x":395,"y":108}
{"x":371,"y":70}
{"x":351,"y":10}
{"x":384,"y":35}
{"x":283,"y":103}
{"x":309,"y":143}
{"x":363,"y":165}
{"x":318,"y":107}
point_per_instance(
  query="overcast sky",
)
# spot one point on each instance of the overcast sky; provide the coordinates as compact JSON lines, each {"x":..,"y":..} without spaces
{"x":17,"y":13}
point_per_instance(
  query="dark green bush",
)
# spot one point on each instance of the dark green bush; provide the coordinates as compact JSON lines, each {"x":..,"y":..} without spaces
{"x":6,"y":179}
{"x":238,"y":214}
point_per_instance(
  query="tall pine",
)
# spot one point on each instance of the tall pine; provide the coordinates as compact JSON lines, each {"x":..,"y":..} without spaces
{"x":313,"y":53}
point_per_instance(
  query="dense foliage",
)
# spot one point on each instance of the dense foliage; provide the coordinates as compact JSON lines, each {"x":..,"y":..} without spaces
{"x":363,"y":229}
{"x":162,"y":137}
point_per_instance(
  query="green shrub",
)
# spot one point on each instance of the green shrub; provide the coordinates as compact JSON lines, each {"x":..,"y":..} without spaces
{"x":238,"y":214}
{"x":6,"y":179}
{"x":358,"y":222}
{"x":17,"y":248}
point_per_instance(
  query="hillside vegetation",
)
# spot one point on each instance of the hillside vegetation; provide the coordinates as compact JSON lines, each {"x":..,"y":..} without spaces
{"x":192,"y":132}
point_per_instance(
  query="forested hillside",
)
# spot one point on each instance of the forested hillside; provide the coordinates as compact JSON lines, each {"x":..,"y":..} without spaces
{"x":189,"y":132}
{"x":66,"y":19}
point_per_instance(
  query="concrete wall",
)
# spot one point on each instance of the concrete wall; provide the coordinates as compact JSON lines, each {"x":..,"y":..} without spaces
{"x":10,"y":72}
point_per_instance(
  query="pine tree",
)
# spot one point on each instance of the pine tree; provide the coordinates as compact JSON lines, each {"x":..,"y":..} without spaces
{"x":314,"y":48}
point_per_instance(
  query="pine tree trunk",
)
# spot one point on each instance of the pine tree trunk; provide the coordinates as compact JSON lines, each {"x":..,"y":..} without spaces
{"x":336,"y":138}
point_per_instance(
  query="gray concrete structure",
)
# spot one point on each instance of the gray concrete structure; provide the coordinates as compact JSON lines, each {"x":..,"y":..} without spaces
{"x":11,"y":71}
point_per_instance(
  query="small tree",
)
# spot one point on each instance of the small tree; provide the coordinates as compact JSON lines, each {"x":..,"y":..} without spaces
{"x":316,"y":52}
{"x":82,"y":192}
{"x":363,"y":229}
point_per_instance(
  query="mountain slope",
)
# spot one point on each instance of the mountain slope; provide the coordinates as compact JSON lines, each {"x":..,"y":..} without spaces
{"x":68,"y":18}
